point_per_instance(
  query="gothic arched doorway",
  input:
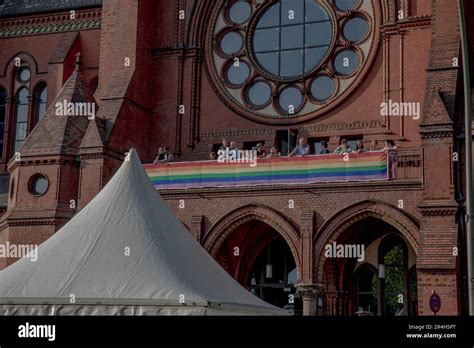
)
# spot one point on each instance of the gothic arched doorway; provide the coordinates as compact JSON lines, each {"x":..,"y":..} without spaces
{"x":381,"y":280}
{"x":259,"y":258}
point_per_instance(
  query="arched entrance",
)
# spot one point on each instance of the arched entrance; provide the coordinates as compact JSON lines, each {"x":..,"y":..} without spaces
{"x":252,"y":248}
{"x":273,"y":275}
{"x":388,"y":288}
{"x":367,"y":264}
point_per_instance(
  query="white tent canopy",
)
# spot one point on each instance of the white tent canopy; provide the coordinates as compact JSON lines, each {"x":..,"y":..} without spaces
{"x":124,"y":253}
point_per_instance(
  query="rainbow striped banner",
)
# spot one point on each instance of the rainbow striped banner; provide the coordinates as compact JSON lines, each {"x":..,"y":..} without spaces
{"x":273,"y":171}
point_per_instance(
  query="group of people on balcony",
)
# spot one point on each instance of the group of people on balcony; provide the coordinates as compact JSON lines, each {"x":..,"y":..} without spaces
{"x":164,"y":155}
{"x":301,"y":149}
{"x":232,"y":146}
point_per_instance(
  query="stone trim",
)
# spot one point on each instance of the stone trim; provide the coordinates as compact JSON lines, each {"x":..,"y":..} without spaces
{"x":50,"y":24}
{"x":412,"y":22}
{"x":436,"y":134}
{"x":40,"y":162}
{"x":446,"y":210}
{"x":344,"y":126}
{"x":237,"y":133}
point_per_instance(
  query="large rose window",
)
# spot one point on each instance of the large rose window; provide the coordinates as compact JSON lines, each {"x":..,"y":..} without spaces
{"x":290,"y":60}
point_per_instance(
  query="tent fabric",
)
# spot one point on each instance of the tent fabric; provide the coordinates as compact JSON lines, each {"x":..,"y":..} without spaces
{"x":125,"y":247}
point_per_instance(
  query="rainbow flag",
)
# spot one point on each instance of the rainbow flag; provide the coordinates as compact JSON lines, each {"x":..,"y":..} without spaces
{"x":273,"y":171}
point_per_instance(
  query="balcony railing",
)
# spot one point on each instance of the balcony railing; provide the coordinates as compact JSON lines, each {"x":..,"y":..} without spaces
{"x":367,"y":166}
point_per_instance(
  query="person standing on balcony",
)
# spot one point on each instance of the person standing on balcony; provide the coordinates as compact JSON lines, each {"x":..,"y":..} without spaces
{"x":274,"y":152}
{"x":343,"y":148}
{"x":212,"y":156}
{"x":260,"y":151}
{"x":302,"y":149}
{"x":225,"y":144}
{"x":374,"y":146}
{"x":234,"y":152}
{"x":391,"y":150}
{"x":168,"y":156}
{"x":160,"y":156}
{"x":359,"y":147}
{"x":324,"y":148}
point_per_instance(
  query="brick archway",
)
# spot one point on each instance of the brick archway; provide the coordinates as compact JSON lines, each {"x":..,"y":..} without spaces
{"x":219,"y":231}
{"x":341,"y":221}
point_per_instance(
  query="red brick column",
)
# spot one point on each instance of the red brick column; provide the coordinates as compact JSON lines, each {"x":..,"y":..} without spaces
{"x":306,"y":245}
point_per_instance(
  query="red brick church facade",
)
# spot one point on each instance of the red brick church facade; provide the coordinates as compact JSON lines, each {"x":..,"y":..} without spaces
{"x":153,"y":70}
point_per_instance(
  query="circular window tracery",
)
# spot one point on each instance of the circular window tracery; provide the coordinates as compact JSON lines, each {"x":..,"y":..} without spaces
{"x":283,"y":40}
{"x":240,"y":12}
{"x":259,"y":94}
{"x":289,"y":60}
{"x":231,"y":43}
{"x":238,"y":72}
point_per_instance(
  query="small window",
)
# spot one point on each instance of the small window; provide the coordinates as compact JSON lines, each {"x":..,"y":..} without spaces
{"x":232,"y":43}
{"x":346,"y":62}
{"x":259,"y":94}
{"x":366,"y":290}
{"x":286,"y":140}
{"x":38,"y":185}
{"x":290,"y":99}
{"x":41,"y":102}
{"x":238,"y":73}
{"x":356,"y":29}
{"x":12,"y":188}
{"x":21,"y":119}
{"x":240,"y":12}
{"x":24,"y":74}
{"x":323,"y":88}
{"x":346,"y":5}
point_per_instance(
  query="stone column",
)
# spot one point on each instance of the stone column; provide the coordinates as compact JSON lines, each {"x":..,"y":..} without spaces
{"x":310,"y":294}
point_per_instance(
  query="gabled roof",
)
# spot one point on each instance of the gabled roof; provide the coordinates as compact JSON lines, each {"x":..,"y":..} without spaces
{"x":126,"y":246}
{"x":60,"y":134}
{"x":95,"y":134}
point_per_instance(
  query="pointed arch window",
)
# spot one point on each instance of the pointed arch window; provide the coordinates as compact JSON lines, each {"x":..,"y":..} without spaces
{"x":40,"y":108}
{"x":3,"y":111}
{"x":367,"y":288}
{"x":21,"y":119}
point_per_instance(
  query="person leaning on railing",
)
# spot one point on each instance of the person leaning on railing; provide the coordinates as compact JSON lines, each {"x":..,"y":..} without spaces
{"x":391,"y":150}
{"x":260,"y":150}
{"x":343,"y":148}
{"x":324,"y":148}
{"x":374,"y":146}
{"x":163,"y":157}
{"x":160,"y":156}
{"x":359,"y":147}
{"x":274,"y":152}
{"x":212,"y":156}
{"x":302,"y":149}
